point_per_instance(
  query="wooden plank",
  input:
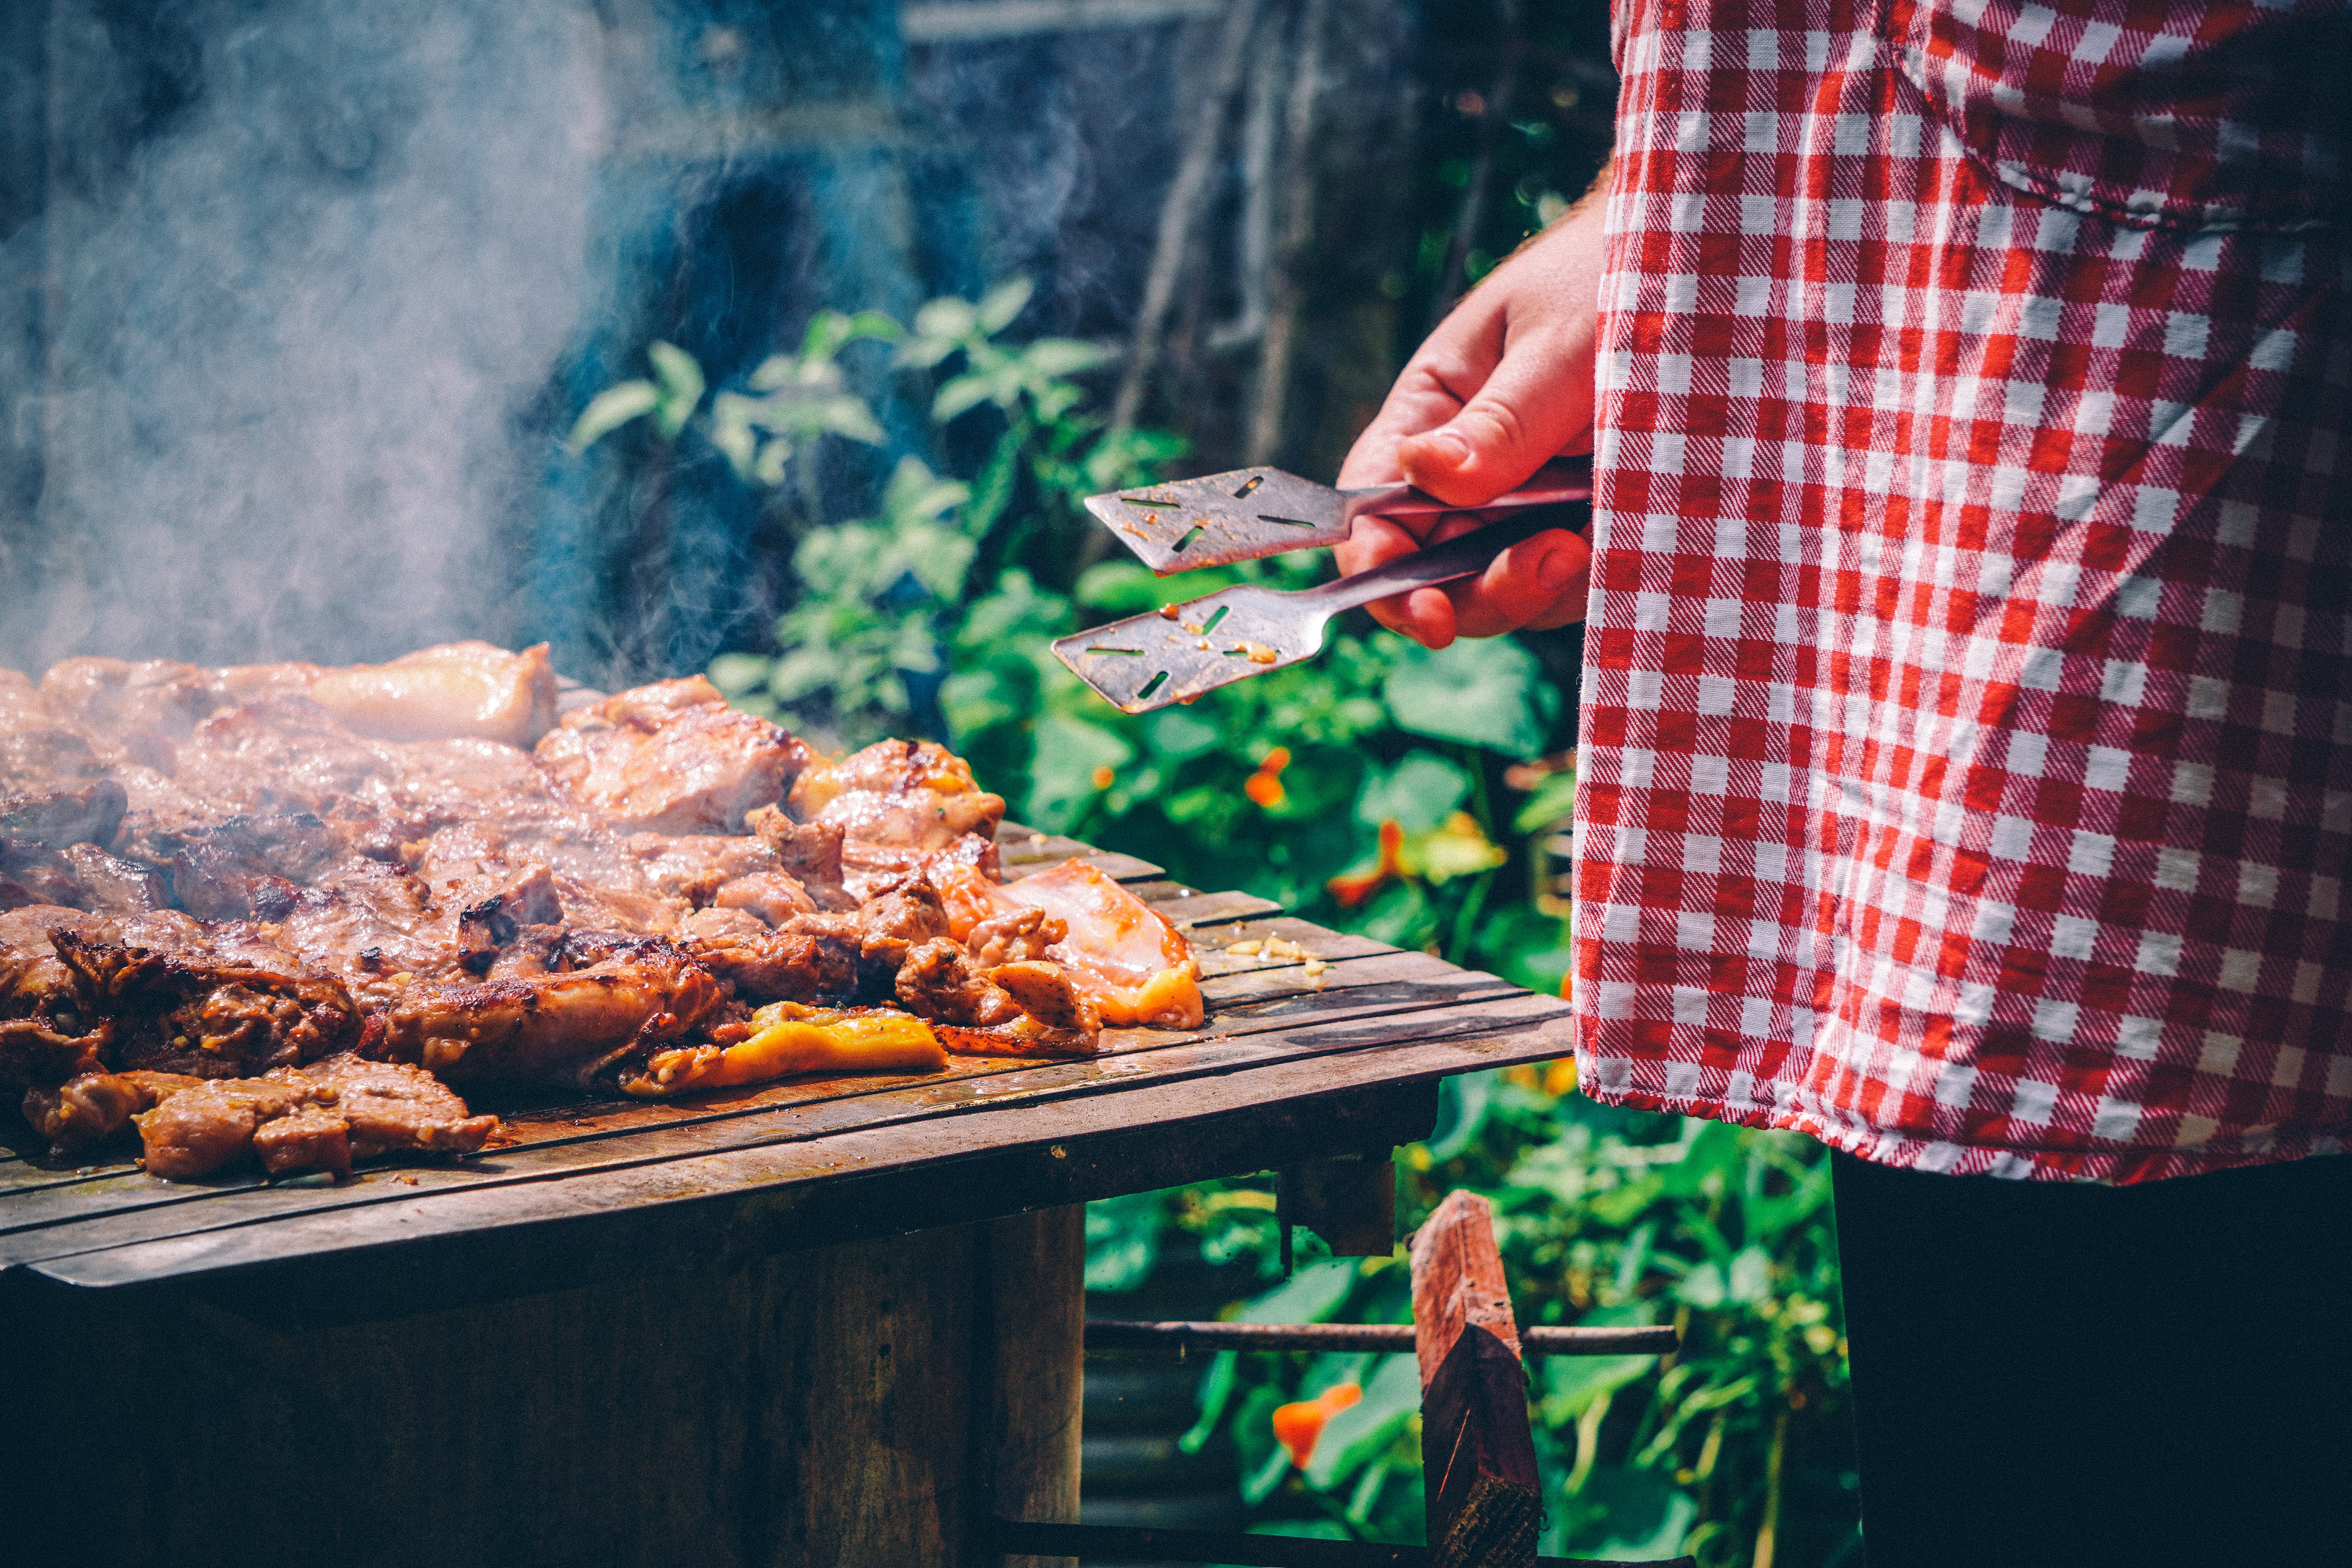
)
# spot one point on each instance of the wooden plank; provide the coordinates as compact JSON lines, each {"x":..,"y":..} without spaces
{"x":905,"y":1113}
{"x":638,"y":1220}
{"x":1210,"y":908}
{"x":1485,"y":1502}
{"x":1389,"y":984}
{"x":1024,"y":851}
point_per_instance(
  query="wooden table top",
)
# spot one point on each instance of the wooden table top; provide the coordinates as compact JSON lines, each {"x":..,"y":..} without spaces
{"x":1287,"y":1067}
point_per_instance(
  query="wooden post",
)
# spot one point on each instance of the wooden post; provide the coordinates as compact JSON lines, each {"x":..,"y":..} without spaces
{"x":1478,"y":1458}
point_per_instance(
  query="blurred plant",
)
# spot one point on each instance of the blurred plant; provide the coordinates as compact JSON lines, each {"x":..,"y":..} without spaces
{"x":1735,"y":1449}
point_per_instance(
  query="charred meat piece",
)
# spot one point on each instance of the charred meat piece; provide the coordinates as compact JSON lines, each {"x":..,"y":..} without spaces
{"x":47,"y":1034}
{"x":42,"y":758}
{"x":671,"y":758}
{"x":1047,"y":992}
{"x":940,"y":982}
{"x":715,"y":924}
{"x":895,"y":802}
{"x":195,"y":1132}
{"x":468,"y":690}
{"x":528,"y":899}
{"x":372,"y":926}
{"x":1020,"y":935}
{"x":695,"y":867}
{"x":771,"y":897}
{"x":890,"y":927}
{"x":551,"y":1028}
{"x":42,"y":873}
{"x":392,"y":1105}
{"x":226,"y":1005}
{"x":91,"y":1107}
{"x":107,"y":694}
{"x":115,"y":887}
{"x":306,"y":1139}
{"x":249,"y":867}
{"x":61,"y":818}
{"x":781,"y":965}
{"x":808,"y":852}
{"x":1137,"y":968}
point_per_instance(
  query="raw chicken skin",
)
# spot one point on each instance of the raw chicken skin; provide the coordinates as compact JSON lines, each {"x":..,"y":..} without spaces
{"x":462,"y":691}
{"x":1135,"y":966}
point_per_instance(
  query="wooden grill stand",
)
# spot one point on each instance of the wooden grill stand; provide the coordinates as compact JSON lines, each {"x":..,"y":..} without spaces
{"x":1478,"y":1460}
{"x":819,"y":1320}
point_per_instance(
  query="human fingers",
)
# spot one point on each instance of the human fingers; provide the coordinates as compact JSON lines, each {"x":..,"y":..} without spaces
{"x":1538,"y":584}
{"x":1425,"y":614}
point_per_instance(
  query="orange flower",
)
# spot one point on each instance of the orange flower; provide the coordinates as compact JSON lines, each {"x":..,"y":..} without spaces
{"x":1354,"y":886}
{"x":1295,"y":1426}
{"x":1265,"y":786}
{"x":1102,"y":777}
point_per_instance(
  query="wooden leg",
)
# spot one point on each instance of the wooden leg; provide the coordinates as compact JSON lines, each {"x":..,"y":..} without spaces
{"x":830,"y":1406}
{"x":1478,"y":1459}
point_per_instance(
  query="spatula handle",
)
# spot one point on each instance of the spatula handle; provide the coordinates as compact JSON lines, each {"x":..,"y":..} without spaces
{"x":1463,"y":557}
{"x":1561,"y":480}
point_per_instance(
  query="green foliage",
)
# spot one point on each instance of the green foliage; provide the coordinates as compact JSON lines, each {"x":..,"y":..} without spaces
{"x":1605,"y":1217}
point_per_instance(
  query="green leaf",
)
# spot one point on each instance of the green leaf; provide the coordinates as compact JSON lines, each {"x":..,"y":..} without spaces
{"x":1068,"y":752}
{"x":1418,"y":793}
{"x":736,"y":673}
{"x":1360,"y":1432}
{"x":1486,"y":691}
{"x":1463,"y":1101}
{"x":947,"y":317}
{"x":960,"y":394}
{"x":681,"y":381}
{"x":1054,"y":357}
{"x":1571,"y":1384}
{"x":611,"y":408}
{"x":1002,"y":303}
{"x":1313,"y":1295}
{"x":848,"y":415}
{"x":1123,"y":1240}
{"x":1176,"y":733}
{"x":1553,"y":800}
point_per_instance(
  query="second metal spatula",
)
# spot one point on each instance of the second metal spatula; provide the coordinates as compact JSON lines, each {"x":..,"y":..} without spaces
{"x":1176,"y":653}
{"x":1219,"y":519}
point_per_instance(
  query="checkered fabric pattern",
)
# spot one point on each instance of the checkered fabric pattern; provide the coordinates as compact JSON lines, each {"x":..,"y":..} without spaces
{"x":1967,"y":740}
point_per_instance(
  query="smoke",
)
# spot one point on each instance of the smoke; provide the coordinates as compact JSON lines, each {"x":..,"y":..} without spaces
{"x":289,"y":335}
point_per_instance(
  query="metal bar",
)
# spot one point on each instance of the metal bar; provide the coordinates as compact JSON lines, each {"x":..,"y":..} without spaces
{"x":1126,"y":1543}
{"x":973,"y":23}
{"x":1103,"y":1335}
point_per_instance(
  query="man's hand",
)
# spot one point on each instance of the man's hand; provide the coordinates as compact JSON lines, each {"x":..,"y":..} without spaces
{"x":1503,"y":384}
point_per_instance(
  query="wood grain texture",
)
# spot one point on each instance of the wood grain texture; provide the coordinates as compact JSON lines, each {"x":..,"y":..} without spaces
{"x":861,"y":1404}
{"x":1457,"y":1280}
{"x":1478,"y":1458}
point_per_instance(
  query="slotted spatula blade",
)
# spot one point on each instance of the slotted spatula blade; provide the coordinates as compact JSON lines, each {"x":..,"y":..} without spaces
{"x":1219,"y":519}
{"x":1174,"y":654}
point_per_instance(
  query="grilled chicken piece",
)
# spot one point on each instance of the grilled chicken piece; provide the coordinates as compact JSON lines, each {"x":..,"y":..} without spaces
{"x":375,"y":928}
{"x":464,"y":689}
{"x":61,"y":818}
{"x":45,"y":1033}
{"x":552,"y":1027}
{"x":808,"y":852}
{"x":771,"y":897}
{"x":1137,"y":968}
{"x":318,"y":1120}
{"x":115,"y":697}
{"x":1015,"y":936}
{"x":1015,"y":1009}
{"x":780,"y":965}
{"x":116,"y":887}
{"x":226,"y":1003}
{"x":671,"y":757}
{"x":695,"y":867}
{"x":91,"y":1107}
{"x":895,"y":802}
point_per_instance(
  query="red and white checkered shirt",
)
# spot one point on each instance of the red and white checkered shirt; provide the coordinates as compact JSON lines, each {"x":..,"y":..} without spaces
{"x":1967,"y":740}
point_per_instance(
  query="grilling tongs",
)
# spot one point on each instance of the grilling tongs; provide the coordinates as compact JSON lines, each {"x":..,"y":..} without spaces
{"x":1175,"y":654}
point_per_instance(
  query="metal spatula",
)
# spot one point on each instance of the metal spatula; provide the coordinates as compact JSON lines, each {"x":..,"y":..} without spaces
{"x":1175,"y":654}
{"x":1252,"y":512}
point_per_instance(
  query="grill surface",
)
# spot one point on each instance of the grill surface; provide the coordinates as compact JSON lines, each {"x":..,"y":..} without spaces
{"x":1287,"y":1067}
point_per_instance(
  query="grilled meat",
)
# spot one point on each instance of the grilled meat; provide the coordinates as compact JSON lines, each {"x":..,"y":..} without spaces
{"x":469,"y":688}
{"x":368,"y":859}
{"x":896,"y":803}
{"x":671,"y":758}
{"x":91,"y":1107}
{"x":551,"y":1026}
{"x":226,"y":1005}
